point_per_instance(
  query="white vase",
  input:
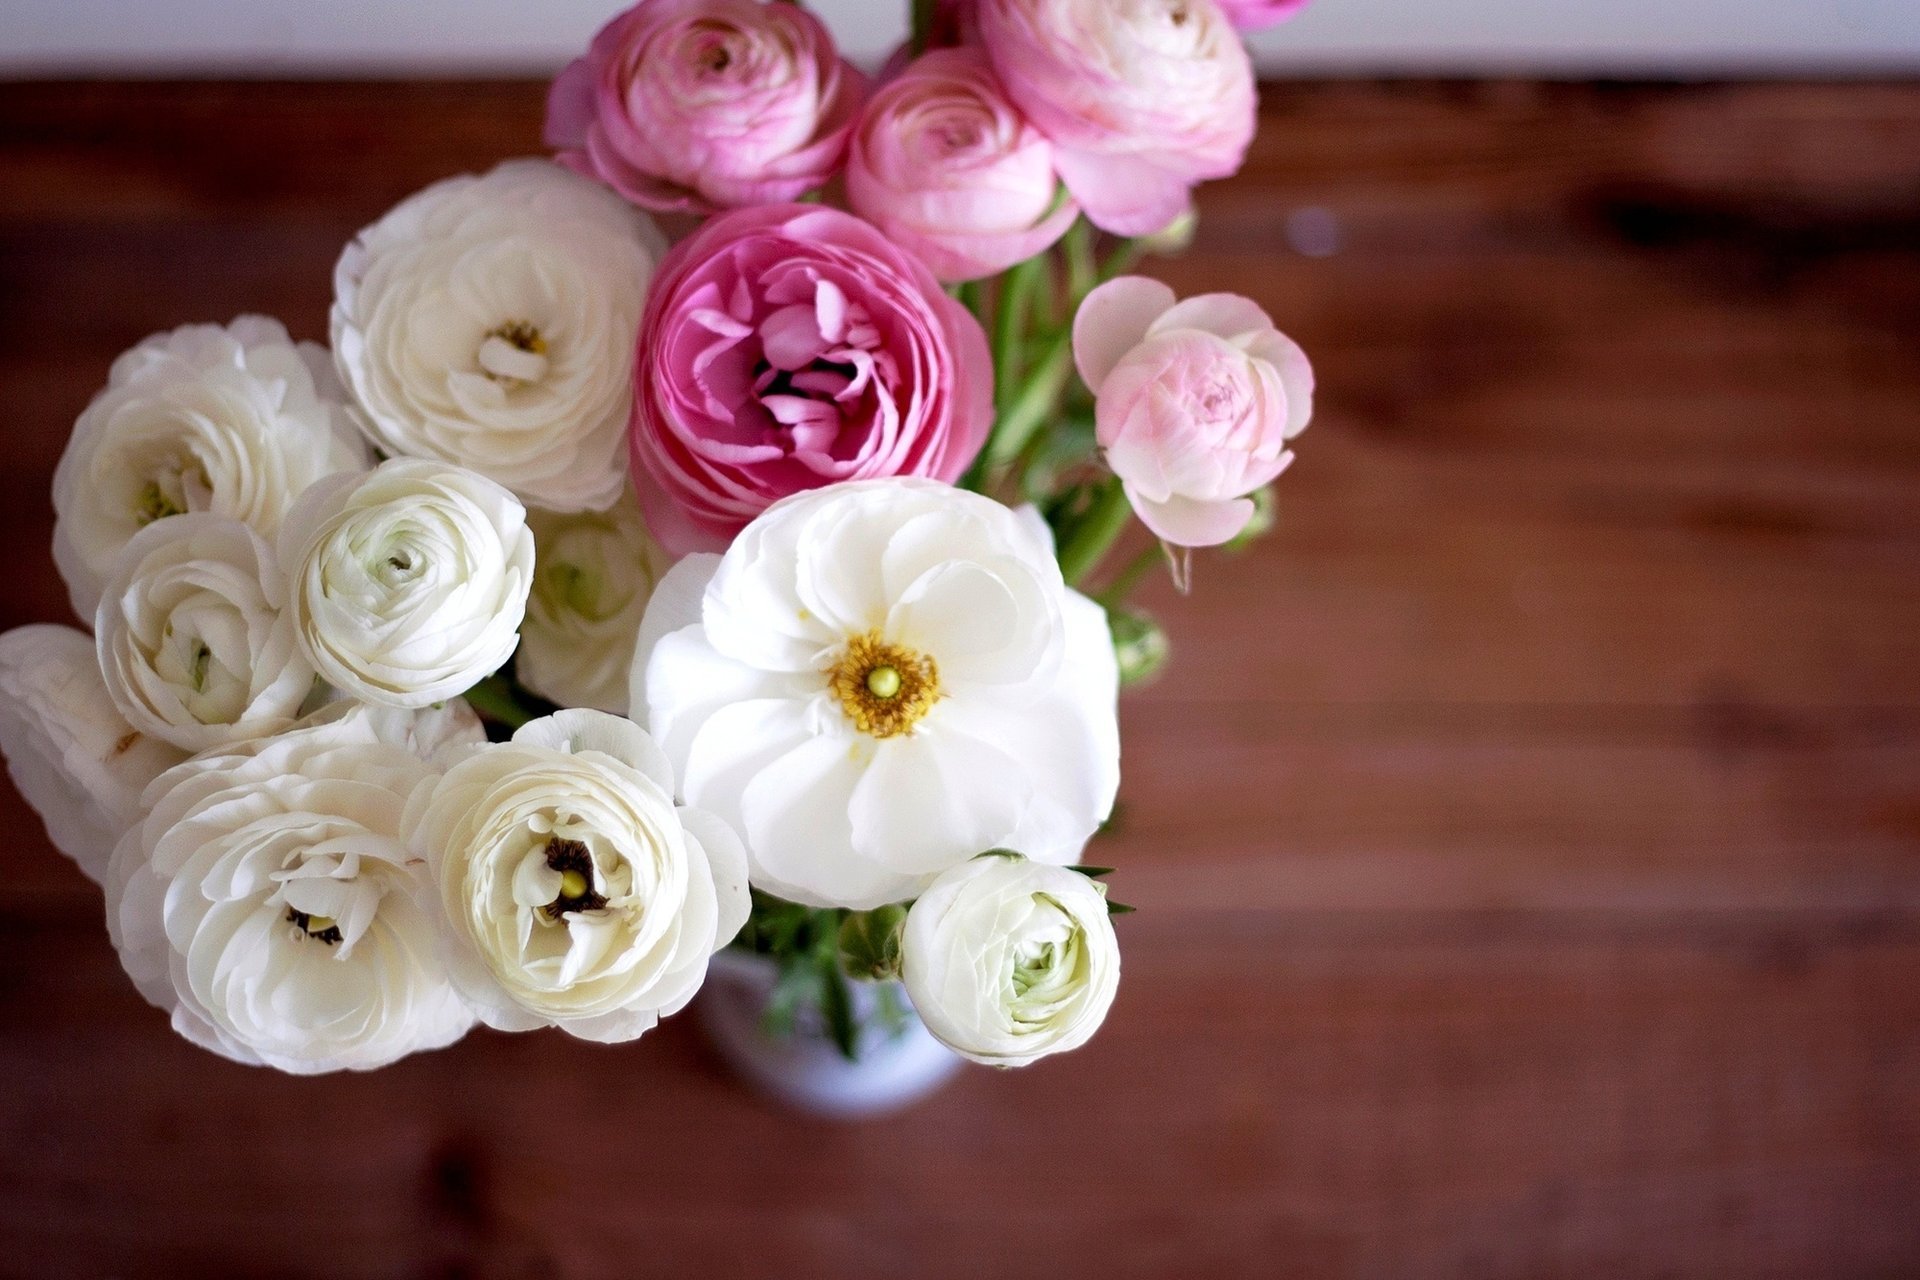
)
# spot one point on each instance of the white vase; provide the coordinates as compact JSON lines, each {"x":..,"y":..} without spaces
{"x":895,"y":1066}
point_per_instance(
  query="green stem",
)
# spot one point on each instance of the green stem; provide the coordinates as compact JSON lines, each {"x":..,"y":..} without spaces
{"x":1096,"y":533}
{"x":495,"y":700}
{"x":1082,"y":273}
{"x":1010,"y":326}
{"x":1029,"y":409}
{"x":1115,"y":593}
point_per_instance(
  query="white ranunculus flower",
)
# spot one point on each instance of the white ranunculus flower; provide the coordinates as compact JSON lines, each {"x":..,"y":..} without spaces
{"x":237,"y":421}
{"x":191,"y":637}
{"x":490,"y":321}
{"x":1008,"y":960}
{"x":408,"y":584}
{"x":71,"y":753}
{"x":877,"y":681}
{"x":268,"y":903}
{"x":593,"y":575}
{"x":573,"y":892}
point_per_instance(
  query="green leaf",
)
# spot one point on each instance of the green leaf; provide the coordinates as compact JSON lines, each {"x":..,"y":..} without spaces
{"x":1120,"y":909}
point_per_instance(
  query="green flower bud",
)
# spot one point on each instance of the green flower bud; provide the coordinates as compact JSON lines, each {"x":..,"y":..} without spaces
{"x":1139,"y":645}
{"x":870,"y":943}
{"x":1261,"y":524}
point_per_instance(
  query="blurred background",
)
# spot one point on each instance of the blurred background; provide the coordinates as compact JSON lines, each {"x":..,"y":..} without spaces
{"x":1421,"y":37}
{"x":1526,"y":835}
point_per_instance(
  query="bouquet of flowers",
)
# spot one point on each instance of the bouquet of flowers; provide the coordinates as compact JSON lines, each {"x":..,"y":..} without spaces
{"x":685,"y":544}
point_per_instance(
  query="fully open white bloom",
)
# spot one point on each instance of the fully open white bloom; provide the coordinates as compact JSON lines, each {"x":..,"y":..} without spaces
{"x":71,"y":753}
{"x":490,"y":321}
{"x":191,"y":638}
{"x":267,"y":901}
{"x":879,"y":680}
{"x":593,"y":575}
{"x":573,"y":892}
{"x":237,"y":421}
{"x":1008,"y":960}
{"x":408,"y":584}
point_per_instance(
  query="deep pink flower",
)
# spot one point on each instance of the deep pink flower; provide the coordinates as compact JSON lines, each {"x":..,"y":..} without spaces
{"x":951,"y":171}
{"x":789,"y":347}
{"x":1141,"y":99}
{"x":697,"y":105}
{"x":1195,"y":402}
{"x":1254,"y":15}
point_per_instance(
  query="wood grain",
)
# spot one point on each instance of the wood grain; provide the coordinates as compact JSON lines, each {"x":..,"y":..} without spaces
{"x":1527,"y":837}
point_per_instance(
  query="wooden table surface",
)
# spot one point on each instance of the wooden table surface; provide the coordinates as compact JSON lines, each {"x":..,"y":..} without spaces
{"x":1526,"y":840}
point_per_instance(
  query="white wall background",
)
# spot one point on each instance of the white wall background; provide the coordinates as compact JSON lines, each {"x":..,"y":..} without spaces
{"x":400,"y":37}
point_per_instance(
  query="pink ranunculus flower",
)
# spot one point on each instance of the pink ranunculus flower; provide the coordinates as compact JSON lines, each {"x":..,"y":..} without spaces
{"x":1142,"y":98}
{"x":788,"y":347}
{"x":1195,"y":402}
{"x":950,"y":170}
{"x":1256,"y":15}
{"x":698,"y":105}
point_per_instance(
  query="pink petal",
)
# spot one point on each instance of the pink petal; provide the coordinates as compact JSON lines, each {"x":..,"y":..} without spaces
{"x":1114,"y":320}
{"x":1187,"y":523}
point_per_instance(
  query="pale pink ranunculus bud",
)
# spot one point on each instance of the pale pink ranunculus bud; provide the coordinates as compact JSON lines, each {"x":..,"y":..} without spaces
{"x":1142,"y":98}
{"x":951,"y":171}
{"x":700,"y":105}
{"x":1256,"y":15}
{"x":1195,"y":402}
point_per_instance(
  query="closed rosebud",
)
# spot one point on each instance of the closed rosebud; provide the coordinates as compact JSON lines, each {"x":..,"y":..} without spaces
{"x":1008,"y":961}
{"x":1140,"y":645}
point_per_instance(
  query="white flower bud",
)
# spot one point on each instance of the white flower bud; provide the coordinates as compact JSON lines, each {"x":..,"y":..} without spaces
{"x":1008,"y":960}
{"x":408,"y":584}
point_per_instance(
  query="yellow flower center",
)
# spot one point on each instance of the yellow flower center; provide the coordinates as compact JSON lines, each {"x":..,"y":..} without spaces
{"x":884,"y":688}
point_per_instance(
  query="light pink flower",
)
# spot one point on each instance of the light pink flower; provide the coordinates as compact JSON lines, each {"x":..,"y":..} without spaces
{"x":1142,"y":98}
{"x":1255,"y":15}
{"x":697,"y":105}
{"x":950,"y":170}
{"x":789,"y":347}
{"x":1194,"y":402}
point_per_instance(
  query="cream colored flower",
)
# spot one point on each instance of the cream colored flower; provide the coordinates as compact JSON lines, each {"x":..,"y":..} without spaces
{"x":191,"y":638}
{"x":592,"y":577}
{"x":268,"y":904}
{"x":408,"y":584}
{"x":1008,"y":961}
{"x":73,"y":756}
{"x":236,"y":421}
{"x":490,"y":322}
{"x":573,"y":891}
